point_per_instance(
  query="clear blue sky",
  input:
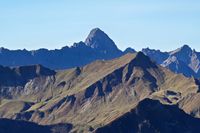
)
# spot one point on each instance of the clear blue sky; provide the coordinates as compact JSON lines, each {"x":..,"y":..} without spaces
{"x":159,"y":24}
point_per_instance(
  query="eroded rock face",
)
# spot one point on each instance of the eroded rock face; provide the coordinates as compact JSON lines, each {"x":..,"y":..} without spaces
{"x":24,"y":81}
{"x":19,"y":76}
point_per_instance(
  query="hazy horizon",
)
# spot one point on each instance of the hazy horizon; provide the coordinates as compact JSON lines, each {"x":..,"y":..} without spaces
{"x":52,"y":24}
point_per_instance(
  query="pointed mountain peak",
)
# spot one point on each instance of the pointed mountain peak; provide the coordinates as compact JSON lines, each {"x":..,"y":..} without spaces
{"x":186,"y":47}
{"x":142,"y":60}
{"x":99,"y":40}
{"x":96,"y":31}
{"x":129,"y":50}
{"x":141,"y":56}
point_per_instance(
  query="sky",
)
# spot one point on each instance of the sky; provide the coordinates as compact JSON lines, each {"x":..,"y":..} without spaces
{"x":52,"y":24}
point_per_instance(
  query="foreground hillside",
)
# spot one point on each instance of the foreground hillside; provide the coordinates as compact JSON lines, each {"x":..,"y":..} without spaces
{"x":102,"y":95}
{"x":151,"y":116}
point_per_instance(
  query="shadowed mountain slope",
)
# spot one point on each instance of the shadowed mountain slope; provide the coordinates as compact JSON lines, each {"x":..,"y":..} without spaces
{"x":13,"y":126}
{"x":150,"y":116}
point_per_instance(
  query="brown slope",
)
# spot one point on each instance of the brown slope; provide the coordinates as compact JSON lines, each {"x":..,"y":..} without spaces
{"x":191,"y":104}
{"x":42,"y":88}
{"x":98,"y":93}
{"x":102,"y":91}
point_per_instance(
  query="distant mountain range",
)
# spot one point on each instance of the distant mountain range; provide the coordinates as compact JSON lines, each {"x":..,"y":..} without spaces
{"x":98,"y":46}
{"x":182,"y":60}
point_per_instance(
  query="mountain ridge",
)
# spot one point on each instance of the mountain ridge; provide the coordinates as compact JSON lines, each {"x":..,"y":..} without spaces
{"x":99,"y":46}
